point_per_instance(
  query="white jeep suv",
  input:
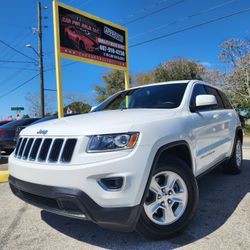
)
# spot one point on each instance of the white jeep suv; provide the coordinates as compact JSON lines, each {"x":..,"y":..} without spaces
{"x":131,"y":163}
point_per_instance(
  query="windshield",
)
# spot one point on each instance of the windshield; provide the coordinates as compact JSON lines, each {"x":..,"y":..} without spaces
{"x":166,"y":96}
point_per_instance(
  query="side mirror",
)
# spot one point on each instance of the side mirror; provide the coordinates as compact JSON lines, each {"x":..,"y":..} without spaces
{"x":92,"y":108}
{"x":204,"y":102}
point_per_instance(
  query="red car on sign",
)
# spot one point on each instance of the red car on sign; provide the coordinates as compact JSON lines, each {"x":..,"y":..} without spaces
{"x":83,"y":39}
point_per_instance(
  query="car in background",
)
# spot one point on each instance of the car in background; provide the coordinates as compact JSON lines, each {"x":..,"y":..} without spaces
{"x":20,"y":128}
{"x":47,"y":118}
{"x":4,"y":122}
{"x":84,"y":39}
{"x":8,"y":132}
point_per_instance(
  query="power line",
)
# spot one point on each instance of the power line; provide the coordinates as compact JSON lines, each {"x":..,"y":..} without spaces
{"x":19,"y":86}
{"x":190,"y":27}
{"x":13,"y":61}
{"x":7,"y":80}
{"x":179,"y":20}
{"x":17,"y":51}
{"x":85,"y":3}
{"x":154,"y":12}
{"x":63,"y":66}
{"x":5,"y":67}
{"x":18,"y":37}
{"x":144,"y":9}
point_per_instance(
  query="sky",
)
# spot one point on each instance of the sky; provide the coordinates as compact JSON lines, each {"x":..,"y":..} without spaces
{"x":201,"y":44}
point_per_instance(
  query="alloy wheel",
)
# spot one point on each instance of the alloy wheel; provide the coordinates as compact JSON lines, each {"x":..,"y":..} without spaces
{"x":167,"y":198}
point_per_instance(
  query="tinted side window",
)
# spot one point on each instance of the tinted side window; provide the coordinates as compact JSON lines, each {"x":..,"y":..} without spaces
{"x":199,"y":89}
{"x":212,"y":91}
{"x":225,"y":100}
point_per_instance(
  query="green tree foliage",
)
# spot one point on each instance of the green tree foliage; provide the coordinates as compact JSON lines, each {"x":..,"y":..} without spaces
{"x":144,"y":78}
{"x":113,"y":82}
{"x":179,"y":69}
{"x":78,"y":107}
{"x":235,"y":52}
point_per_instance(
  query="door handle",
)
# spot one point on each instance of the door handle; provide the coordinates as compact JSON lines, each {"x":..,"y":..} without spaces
{"x":216,"y":116}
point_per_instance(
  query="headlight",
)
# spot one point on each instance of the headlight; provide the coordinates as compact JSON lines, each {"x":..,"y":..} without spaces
{"x":112,"y":142}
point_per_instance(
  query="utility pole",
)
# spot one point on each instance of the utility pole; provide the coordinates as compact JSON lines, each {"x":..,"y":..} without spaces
{"x":40,"y":49}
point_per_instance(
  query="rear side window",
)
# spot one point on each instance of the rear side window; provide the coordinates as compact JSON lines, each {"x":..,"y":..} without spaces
{"x":215,"y":92}
{"x":225,"y":100}
{"x":199,"y":89}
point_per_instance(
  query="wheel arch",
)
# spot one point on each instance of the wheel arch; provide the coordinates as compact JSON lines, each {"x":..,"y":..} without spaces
{"x":178,"y":149}
{"x":170,"y":148}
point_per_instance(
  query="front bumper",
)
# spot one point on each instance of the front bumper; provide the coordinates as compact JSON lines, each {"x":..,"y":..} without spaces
{"x":76,"y":204}
{"x":132,"y":166}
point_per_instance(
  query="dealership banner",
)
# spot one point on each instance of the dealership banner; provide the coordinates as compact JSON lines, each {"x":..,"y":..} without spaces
{"x":87,"y":38}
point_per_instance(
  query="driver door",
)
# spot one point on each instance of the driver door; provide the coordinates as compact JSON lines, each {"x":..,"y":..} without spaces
{"x":203,"y":132}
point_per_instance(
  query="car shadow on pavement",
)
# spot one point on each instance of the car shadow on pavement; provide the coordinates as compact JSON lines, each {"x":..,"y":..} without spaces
{"x":220,"y":194}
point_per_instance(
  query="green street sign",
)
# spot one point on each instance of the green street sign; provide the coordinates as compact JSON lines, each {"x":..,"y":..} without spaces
{"x":17,"y":108}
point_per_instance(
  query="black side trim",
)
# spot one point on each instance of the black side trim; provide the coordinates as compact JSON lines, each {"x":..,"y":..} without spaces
{"x":213,"y":167}
{"x":75,"y":203}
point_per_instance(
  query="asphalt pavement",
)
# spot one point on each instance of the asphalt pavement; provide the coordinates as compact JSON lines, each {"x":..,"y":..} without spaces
{"x":222,"y":221}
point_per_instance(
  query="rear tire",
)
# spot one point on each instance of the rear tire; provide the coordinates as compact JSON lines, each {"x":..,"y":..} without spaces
{"x":234,"y":165}
{"x":170,"y":205}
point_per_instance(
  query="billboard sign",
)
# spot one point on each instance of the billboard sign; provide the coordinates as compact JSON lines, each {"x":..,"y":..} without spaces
{"x":87,"y":38}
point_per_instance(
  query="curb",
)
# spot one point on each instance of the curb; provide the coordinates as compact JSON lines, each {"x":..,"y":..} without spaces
{"x":4,"y":176}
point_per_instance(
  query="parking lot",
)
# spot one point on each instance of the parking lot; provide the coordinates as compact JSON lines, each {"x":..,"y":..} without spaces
{"x":221,"y":222}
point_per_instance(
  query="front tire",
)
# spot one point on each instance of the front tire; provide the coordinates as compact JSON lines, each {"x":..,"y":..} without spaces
{"x":171,"y":200}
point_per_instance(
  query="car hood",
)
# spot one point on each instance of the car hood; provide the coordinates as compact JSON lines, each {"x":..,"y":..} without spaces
{"x":102,"y":122}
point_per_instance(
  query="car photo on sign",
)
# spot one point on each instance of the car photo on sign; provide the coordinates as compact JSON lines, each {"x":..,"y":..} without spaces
{"x":81,"y":39}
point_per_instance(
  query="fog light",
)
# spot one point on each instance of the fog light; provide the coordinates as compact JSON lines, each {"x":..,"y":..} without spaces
{"x":111,"y":183}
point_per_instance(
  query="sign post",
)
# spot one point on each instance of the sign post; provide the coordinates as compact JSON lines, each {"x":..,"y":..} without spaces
{"x":86,"y":38}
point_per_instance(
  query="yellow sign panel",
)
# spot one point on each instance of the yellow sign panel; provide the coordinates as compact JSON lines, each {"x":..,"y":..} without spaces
{"x":86,"y":38}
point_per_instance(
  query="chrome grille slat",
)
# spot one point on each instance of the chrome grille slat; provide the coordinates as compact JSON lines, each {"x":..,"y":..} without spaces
{"x":60,"y":155}
{"x":34,"y":150}
{"x":20,"y":152}
{"x":50,"y":147}
{"x":27,"y":148}
{"x":39,"y":149}
{"x":51,"y":150}
{"x":68,"y":150}
{"x":18,"y":146}
{"x":45,"y":145}
{"x":31,"y":147}
{"x":56,"y":150}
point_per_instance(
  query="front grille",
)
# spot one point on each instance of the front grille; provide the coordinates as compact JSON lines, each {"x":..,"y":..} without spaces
{"x":50,"y":150}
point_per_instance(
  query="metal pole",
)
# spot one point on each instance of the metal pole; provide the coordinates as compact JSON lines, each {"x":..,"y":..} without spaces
{"x":126,"y":72}
{"x":58,"y":61}
{"x":40,"y":49}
